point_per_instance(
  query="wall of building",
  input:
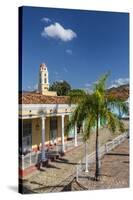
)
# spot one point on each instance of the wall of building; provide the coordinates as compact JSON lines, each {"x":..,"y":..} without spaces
{"x":49,"y":93}
{"x":66,"y":119}
{"x":36,"y":133}
{"x":36,"y":130}
{"x":49,"y":110}
{"x":59,"y":127}
{"x":47,"y":128}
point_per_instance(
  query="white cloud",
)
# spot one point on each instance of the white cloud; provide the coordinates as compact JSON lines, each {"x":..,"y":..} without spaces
{"x":57,"y":31}
{"x":56,"y":76}
{"x":61,"y":81}
{"x":56,"y":73}
{"x":46,"y":19}
{"x":119,"y":81}
{"x":65,"y":69}
{"x":87,"y":85}
{"x":122,"y":81}
{"x":69,"y":51}
{"x":35,"y":87}
{"x":88,"y":88}
{"x":29,"y":87}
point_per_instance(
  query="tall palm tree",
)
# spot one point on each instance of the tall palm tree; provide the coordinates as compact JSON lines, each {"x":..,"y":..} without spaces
{"x":94,"y":107}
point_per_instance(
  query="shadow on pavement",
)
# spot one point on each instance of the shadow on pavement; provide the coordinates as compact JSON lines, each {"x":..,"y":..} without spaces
{"x":117,"y":154}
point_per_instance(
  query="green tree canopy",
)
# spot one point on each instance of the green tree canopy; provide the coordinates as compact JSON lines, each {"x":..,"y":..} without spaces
{"x":76,"y":92}
{"x":62,"y":87}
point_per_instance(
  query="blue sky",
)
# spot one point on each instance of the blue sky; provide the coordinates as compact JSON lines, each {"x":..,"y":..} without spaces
{"x":77,"y":46}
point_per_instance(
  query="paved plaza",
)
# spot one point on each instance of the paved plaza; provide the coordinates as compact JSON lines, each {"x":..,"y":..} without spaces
{"x":114,"y":172}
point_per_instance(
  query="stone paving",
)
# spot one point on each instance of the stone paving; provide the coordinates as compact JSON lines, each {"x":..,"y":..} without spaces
{"x":54,"y":177}
{"x":114,"y":172}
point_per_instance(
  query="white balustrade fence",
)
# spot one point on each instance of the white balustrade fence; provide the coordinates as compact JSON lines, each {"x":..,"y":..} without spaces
{"x":33,"y":158}
{"x":104,"y":149}
{"x":28,"y":160}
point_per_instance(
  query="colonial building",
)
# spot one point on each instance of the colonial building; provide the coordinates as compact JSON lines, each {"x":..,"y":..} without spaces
{"x":43,"y":118}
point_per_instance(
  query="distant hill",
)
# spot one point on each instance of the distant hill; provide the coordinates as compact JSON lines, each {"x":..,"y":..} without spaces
{"x":121,"y":92}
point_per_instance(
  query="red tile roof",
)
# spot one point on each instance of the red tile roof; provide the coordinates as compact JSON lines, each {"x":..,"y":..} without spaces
{"x":35,"y":98}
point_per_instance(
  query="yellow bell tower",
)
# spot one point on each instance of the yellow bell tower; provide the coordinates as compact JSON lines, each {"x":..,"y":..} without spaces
{"x":43,"y":79}
{"x":44,"y":82}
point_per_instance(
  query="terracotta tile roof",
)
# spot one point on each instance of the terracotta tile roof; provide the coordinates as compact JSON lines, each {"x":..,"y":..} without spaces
{"x":35,"y":98}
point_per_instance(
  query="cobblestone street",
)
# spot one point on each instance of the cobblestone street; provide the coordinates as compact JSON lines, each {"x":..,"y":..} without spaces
{"x":114,"y":170}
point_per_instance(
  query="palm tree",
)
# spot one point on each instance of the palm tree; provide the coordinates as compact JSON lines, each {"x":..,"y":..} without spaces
{"x":94,"y":107}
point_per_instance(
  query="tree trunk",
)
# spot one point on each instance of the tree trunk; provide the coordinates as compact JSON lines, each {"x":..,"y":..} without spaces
{"x":97,"y":158}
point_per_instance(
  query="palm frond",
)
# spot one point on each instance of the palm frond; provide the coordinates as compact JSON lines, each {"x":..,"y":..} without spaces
{"x":113,"y":122}
{"x":79,"y":113}
{"x":100,"y":85}
{"x":89,"y":124}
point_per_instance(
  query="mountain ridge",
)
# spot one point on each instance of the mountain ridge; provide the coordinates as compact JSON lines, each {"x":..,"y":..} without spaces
{"x":121,"y":92}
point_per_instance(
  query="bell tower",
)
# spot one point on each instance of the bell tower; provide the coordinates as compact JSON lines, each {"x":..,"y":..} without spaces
{"x":43,"y":79}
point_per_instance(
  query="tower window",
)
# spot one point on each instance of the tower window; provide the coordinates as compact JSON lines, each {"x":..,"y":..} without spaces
{"x":45,"y":80}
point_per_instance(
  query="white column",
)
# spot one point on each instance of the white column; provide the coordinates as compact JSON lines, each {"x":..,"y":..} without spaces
{"x":43,"y":138}
{"x":83,"y":126}
{"x":77,"y":174}
{"x":75,"y":135}
{"x":72,"y":130}
{"x":62,"y":133}
{"x":86,"y":158}
{"x":99,"y":124}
